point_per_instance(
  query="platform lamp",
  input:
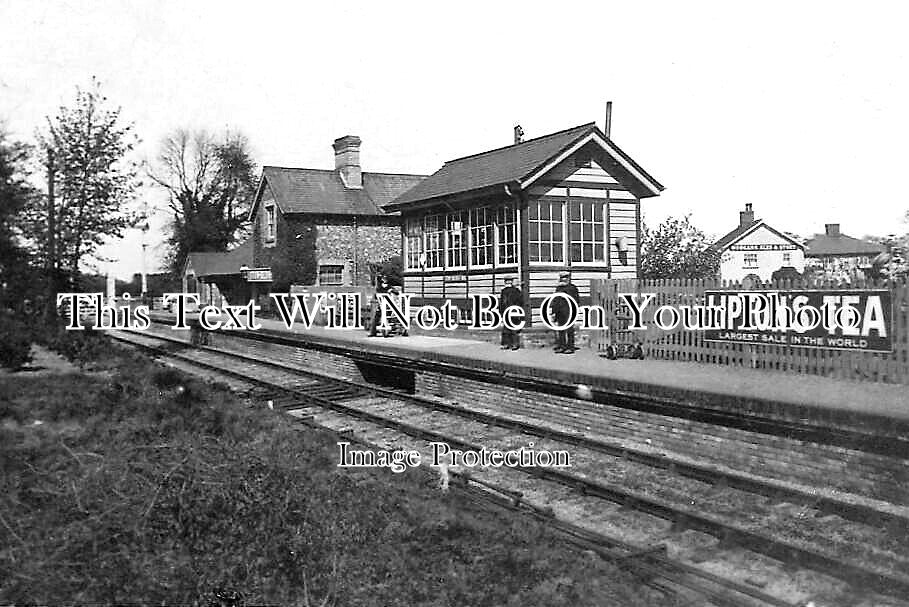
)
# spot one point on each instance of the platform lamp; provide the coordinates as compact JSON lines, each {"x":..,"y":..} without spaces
{"x":621,"y":245}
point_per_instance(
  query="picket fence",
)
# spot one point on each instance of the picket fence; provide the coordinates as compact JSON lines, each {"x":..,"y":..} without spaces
{"x":682,"y":345}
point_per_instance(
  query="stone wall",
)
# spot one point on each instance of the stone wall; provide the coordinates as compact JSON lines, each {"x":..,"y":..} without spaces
{"x":304,"y":241}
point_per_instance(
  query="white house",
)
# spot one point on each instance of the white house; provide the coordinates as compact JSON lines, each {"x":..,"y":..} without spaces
{"x":754,"y":249}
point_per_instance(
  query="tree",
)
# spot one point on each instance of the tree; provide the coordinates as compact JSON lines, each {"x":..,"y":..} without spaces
{"x":211,"y":185}
{"x":87,"y":149}
{"x":677,"y":249}
{"x":392,"y":270}
{"x":893,"y":262}
{"x":15,"y":194}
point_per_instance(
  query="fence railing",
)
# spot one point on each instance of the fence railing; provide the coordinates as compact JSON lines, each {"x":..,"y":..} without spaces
{"x":686,"y":345}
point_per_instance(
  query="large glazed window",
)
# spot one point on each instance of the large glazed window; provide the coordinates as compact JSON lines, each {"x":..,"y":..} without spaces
{"x":434,"y":241}
{"x":586,"y":227}
{"x":482,"y":236}
{"x":507,"y":226}
{"x":545,"y":222}
{"x":413,"y":241}
{"x":456,"y":236}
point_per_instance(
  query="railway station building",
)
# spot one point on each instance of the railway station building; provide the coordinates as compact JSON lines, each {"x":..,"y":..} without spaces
{"x":218,"y":278}
{"x":319,"y":228}
{"x":325,"y":227}
{"x":565,"y":201}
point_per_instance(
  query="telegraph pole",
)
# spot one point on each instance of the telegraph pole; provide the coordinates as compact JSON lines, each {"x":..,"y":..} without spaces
{"x":144,"y":229}
{"x":50,"y":262}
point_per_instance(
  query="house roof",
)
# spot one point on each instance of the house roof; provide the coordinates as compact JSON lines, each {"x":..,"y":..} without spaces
{"x":822,"y":244}
{"x":323,"y":192}
{"x":220,"y":264}
{"x":743,"y":230}
{"x":520,"y":164}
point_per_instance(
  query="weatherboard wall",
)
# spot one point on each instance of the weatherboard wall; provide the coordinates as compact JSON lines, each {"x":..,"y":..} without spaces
{"x":573,"y":179}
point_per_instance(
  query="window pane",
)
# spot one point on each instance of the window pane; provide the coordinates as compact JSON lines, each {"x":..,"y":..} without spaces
{"x":574,"y":231}
{"x":598,"y":252}
{"x":545,"y":231}
{"x":575,"y":251}
{"x":575,"y":213}
{"x":557,"y":232}
{"x":598,"y":232}
{"x":557,"y":211}
{"x":557,"y":253}
{"x":588,"y":252}
{"x":587,"y":233}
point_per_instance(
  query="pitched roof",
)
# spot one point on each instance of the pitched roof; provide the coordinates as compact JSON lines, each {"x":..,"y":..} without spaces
{"x":735,"y":234}
{"x":743,"y":230}
{"x":323,"y":192}
{"x":822,"y":244}
{"x":220,"y":264}
{"x":518,"y":163}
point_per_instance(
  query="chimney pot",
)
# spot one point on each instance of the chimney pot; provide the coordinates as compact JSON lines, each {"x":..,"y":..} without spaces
{"x":518,"y":134}
{"x":746,"y":217}
{"x":607,"y":126}
{"x":347,"y":160}
{"x":832,"y":229}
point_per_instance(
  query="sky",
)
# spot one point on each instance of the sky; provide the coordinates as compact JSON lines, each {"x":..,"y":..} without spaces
{"x":800,"y":108}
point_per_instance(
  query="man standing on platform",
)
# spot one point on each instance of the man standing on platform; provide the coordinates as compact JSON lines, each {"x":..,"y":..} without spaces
{"x":510,"y":296}
{"x":561,"y":310}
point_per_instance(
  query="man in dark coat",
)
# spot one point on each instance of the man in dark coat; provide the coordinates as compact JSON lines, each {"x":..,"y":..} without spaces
{"x":510,"y":296}
{"x":375,"y":309}
{"x":561,"y":310}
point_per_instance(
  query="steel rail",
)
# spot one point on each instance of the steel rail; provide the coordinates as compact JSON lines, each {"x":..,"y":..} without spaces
{"x":857,"y":512}
{"x":726,"y":532}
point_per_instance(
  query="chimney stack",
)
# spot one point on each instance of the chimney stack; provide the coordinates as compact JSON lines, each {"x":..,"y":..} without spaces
{"x":347,"y":160}
{"x":832,"y":229}
{"x":518,"y":134}
{"x":607,"y":128}
{"x":746,"y":217}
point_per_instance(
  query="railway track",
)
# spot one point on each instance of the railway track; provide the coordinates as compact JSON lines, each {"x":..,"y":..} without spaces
{"x":867,"y":440}
{"x":458,"y":427}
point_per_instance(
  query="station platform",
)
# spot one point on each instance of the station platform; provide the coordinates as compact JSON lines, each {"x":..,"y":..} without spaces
{"x":873,"y":408}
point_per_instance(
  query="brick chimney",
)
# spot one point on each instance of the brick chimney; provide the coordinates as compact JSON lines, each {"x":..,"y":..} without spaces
{"x":832,"y":229}
{"x":746,"y":217}
{"x":347,"y":160}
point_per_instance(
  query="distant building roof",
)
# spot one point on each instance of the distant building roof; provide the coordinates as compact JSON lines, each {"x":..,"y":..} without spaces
{"x":520,"y":164}
{"x":221,"y":264}
{"x":840,"y":244}
{"x":323,"y":192}
{"x":744,"y":229}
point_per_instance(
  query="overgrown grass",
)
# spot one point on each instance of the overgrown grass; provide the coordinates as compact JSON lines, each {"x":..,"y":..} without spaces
{"x":137,"y":484}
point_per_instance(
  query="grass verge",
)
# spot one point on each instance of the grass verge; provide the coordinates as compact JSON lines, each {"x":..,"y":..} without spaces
{"x":135,"y":483}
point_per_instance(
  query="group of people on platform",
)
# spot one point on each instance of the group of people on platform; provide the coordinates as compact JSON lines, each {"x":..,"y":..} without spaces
{"x":512,"y":295}
{"x":561,"y":312}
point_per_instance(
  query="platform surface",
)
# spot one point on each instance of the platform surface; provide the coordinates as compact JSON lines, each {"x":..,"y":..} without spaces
{"x":688,"y":381}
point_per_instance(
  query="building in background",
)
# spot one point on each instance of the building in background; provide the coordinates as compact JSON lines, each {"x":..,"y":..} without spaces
{"x":836,"y":256}
{"x":756,"y":250}
{"x":219,"y":278}
{"x":565,"y":201}
{"x":325,"y":227}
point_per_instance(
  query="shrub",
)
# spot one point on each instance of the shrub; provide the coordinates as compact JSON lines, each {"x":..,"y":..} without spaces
{"x":15,"y":342}
{"x":76,"y":346}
